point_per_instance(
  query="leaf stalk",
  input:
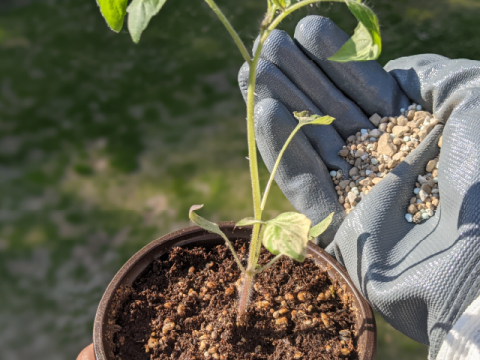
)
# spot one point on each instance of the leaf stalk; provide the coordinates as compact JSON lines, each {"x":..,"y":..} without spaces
{"x":231,"y":30}
{"x":275,"y":167}
{"x":270,"y":263}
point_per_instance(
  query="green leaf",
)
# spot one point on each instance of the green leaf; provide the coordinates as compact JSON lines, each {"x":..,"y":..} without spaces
{"x":203,"y":223}
{"x":139,"y":14}
{"x":318,"y":229}
{"x":301,"y":114}
{"x":366,"y":43}
{"x":279,"y":3}
{"x":287,"y":234}
{"x":304,"y":118}
{"x":249,"y":221}
{"x":113,"y":11}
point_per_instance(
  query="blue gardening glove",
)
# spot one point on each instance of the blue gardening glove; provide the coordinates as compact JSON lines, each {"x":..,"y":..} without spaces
{"x":420,"y":278}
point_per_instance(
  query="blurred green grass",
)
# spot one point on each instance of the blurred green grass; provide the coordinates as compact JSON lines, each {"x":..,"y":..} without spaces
{"x":104,"y":145}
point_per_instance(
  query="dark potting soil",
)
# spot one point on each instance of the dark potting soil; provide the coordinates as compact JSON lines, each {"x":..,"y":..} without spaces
{"x":184,"y":307}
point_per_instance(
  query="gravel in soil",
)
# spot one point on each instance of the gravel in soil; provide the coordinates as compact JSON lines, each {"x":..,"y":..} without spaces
{"x":184,"y":307}
{"x":375,"y":153}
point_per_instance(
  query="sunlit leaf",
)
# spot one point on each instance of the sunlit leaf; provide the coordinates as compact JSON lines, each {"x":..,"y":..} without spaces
{"x":249,"y":221}
{"x":139,"y":14}
{"x":320,"y":228}
{"x":301,"y":114}
{"x":304,"y":118}
{"x":366,"y":43}
{"x":114,"y":12}
{"x":203,"y":223}
{"x":287,"y":234}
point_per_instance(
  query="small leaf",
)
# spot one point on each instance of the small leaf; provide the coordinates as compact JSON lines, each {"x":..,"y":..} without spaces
{"x":318,"y":120}
{"x":318,"y":229}
{"x":366,"y":43}
{"x":304,"y":118}
{"x":113,"y":11}
{"x":279,"y":3}
{"x":301,"y":114}
{"x":203,"y":223}
{"x":194,"y":208}
{"x":287,"y":234}
{"x":139,"y":14}
{"x":282,"y":3}
{"x":249,"y":221}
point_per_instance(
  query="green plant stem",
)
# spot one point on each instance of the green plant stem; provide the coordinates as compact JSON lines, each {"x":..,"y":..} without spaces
{"x":231,"y":30}
{"x":255,"y":244}
{"x":270,"y":263}
{"x":275,"y":167}
{"x":252,"y":155}
{"x":244,"y":297}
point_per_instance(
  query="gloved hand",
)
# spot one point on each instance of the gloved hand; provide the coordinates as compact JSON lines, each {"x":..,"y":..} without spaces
{"x":420,"y":278}
{"x":295,"y":76}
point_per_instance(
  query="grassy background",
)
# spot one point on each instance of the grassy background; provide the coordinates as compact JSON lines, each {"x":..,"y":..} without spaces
{"x":104,"y":145}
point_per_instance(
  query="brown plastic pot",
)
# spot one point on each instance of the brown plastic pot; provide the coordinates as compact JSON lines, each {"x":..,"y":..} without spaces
{"x":367,"y":333}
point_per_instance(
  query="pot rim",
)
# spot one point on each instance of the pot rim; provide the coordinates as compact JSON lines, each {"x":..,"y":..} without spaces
{"x":365,"y":324}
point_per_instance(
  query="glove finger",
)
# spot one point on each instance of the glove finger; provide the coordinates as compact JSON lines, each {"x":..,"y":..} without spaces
{"x":301,"y":174}
{"x":366,"y":83}
{"x":271,"y":83}
{"x":280,"y":49}
{"x":436,"y":82}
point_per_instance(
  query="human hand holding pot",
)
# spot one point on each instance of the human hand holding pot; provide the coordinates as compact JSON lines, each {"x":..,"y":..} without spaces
{"x":420,"y":278}
{"x":87,"y":353}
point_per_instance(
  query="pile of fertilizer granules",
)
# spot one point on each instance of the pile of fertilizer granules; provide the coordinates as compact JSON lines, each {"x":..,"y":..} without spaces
{"x":375,"y":153}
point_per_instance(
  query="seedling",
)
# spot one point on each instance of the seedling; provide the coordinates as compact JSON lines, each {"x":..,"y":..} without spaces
{"x":288,"y":234}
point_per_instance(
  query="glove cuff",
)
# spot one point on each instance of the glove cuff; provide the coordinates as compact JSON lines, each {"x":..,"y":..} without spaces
{"x":465,"y":290}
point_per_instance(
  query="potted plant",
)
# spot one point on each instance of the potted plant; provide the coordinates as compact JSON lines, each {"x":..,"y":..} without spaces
{"x":176,"y":298}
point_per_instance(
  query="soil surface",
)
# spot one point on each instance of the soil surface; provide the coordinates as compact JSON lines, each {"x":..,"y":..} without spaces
{"x":184,"y":307}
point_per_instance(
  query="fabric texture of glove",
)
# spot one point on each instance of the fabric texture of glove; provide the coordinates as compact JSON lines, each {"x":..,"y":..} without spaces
{"x":420,"y":278}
